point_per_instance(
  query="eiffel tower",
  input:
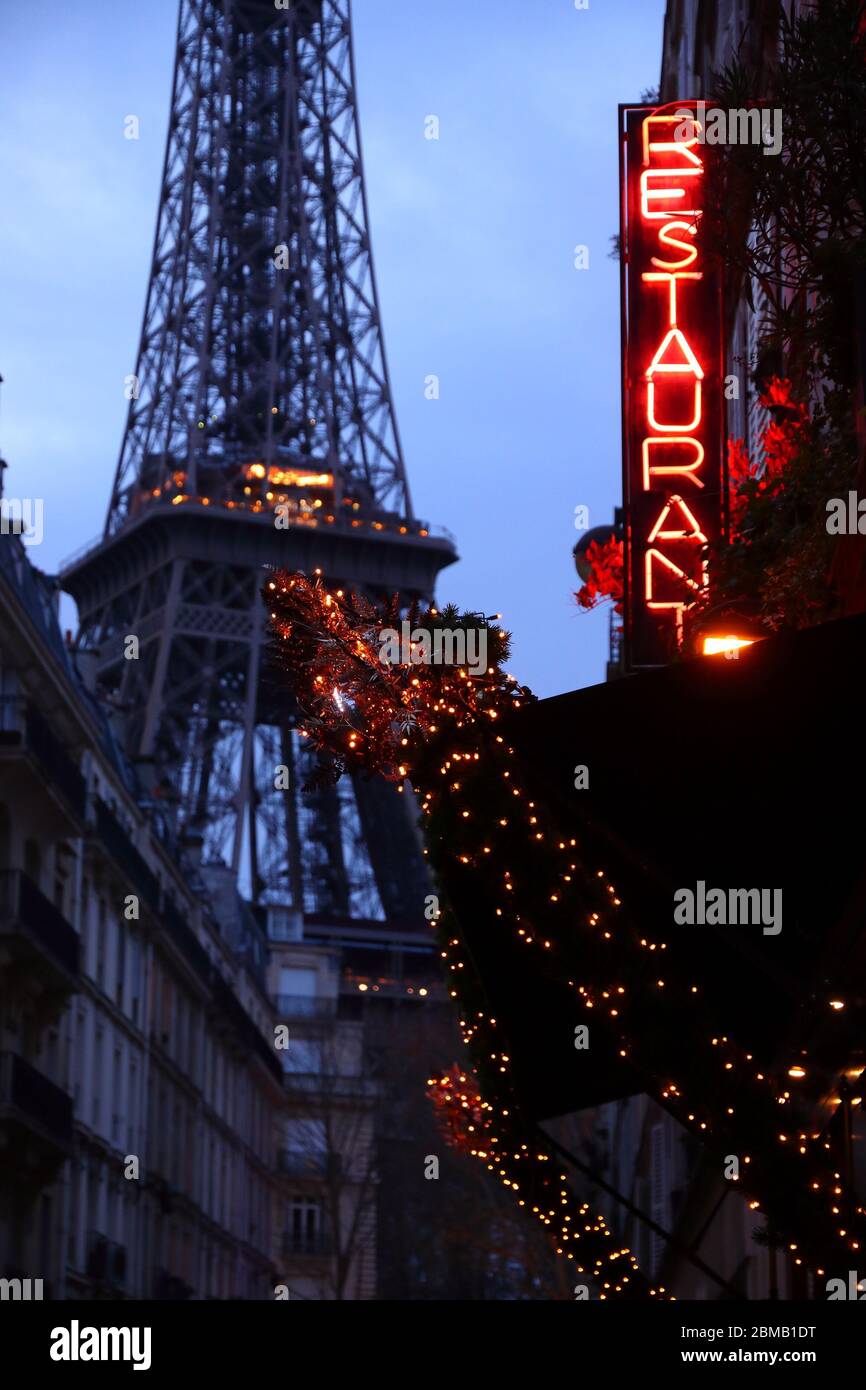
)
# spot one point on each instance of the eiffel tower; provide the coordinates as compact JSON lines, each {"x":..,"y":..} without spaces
{"x":260,"y":431}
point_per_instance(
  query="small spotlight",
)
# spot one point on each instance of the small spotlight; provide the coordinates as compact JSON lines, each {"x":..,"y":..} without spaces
{"x":713,"y":646}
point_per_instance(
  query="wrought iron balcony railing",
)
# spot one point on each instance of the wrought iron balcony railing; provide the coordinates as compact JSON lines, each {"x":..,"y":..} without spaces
{"x":309,"y":1165}
{"x":323,"y":1086}
{"x":25,"y":908}
{"x":22,"y":726}
{"x":302,"y":1006}
{"x":318,"y":1243}
{"x":32,"y":1097}
{"x":115,"y":839}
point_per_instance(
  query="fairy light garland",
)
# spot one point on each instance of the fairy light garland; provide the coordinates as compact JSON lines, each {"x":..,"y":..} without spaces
{"x":469,"y":1122}
{"x":438,"y":726}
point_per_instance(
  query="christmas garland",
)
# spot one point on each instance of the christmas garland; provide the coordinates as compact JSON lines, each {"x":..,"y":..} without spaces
{"x":439,"y":726}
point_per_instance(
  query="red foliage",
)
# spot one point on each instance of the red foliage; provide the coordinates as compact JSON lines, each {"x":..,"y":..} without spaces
{"x":606,"y":578}
{"x":781,"y":441}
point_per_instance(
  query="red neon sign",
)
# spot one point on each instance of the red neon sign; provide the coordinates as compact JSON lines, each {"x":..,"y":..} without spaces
{"x":672,"y":386}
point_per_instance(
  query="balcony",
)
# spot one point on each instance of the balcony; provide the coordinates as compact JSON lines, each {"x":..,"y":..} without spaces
{"x":111,"y":834}
{"x":35,"y":1120}
{"x":304,"y":1006}
{"x":43,"y":766}
{"x":35,"y":935}
{"x":297,"y":1243}
{"x":322,"y":1087}
{"x":424,"y":989}
{"x":183,"y":935}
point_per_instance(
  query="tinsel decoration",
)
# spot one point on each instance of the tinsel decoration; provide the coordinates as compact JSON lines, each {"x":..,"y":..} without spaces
{"x":359,"y":711}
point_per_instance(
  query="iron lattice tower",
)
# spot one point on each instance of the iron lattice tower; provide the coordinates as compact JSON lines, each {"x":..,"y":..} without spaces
{"x":260,"y":432}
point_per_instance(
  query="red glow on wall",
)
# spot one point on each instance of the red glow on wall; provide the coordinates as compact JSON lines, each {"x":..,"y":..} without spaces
{"x":672,"y":365}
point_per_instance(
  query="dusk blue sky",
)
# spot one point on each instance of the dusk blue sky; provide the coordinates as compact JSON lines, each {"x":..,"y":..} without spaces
{"x":473,"y":238}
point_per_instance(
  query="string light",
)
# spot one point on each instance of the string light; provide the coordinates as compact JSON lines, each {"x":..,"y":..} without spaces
{"x":397,"y":720}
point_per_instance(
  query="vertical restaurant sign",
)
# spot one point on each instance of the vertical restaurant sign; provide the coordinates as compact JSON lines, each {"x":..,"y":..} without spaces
{"x":672,"y":370}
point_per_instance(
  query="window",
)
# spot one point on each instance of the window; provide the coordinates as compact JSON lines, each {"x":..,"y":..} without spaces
{"x":59,"y":883}
{"x":194,"y":1024}
{"x":297,"y":982}
{"x":189,"y":1153}
{"x":163,"y":1137}
{"x":305,"y":1226}
{"x":119,"y":1214}
{"x":134,"y":974}
{"x":183,"y":1032}
{"x":284,"y":924}
{"x":101,"y":943}
{"x":166,"y":1020}
{"x":75,"y":1171}
{"x":32,"y":861}
{"x":305,"y":1135}
{"x":92,"y":1199}
{"x":117,"y":1096}
{"x":121,"y":962}
{"x":131,"y":1103}
{"x":306,"y":1147}
{"x":80,"y":1045}
{"x":303,"y":1055}
{"x":97,"y":1078}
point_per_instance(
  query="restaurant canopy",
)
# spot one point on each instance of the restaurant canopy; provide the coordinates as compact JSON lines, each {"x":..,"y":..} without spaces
{"x":735,"y":773}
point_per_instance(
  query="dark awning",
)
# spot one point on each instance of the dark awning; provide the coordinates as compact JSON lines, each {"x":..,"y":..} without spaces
{"x":739,"y":773}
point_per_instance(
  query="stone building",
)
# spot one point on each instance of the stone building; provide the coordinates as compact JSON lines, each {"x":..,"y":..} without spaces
{"x":140,"y":1091}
